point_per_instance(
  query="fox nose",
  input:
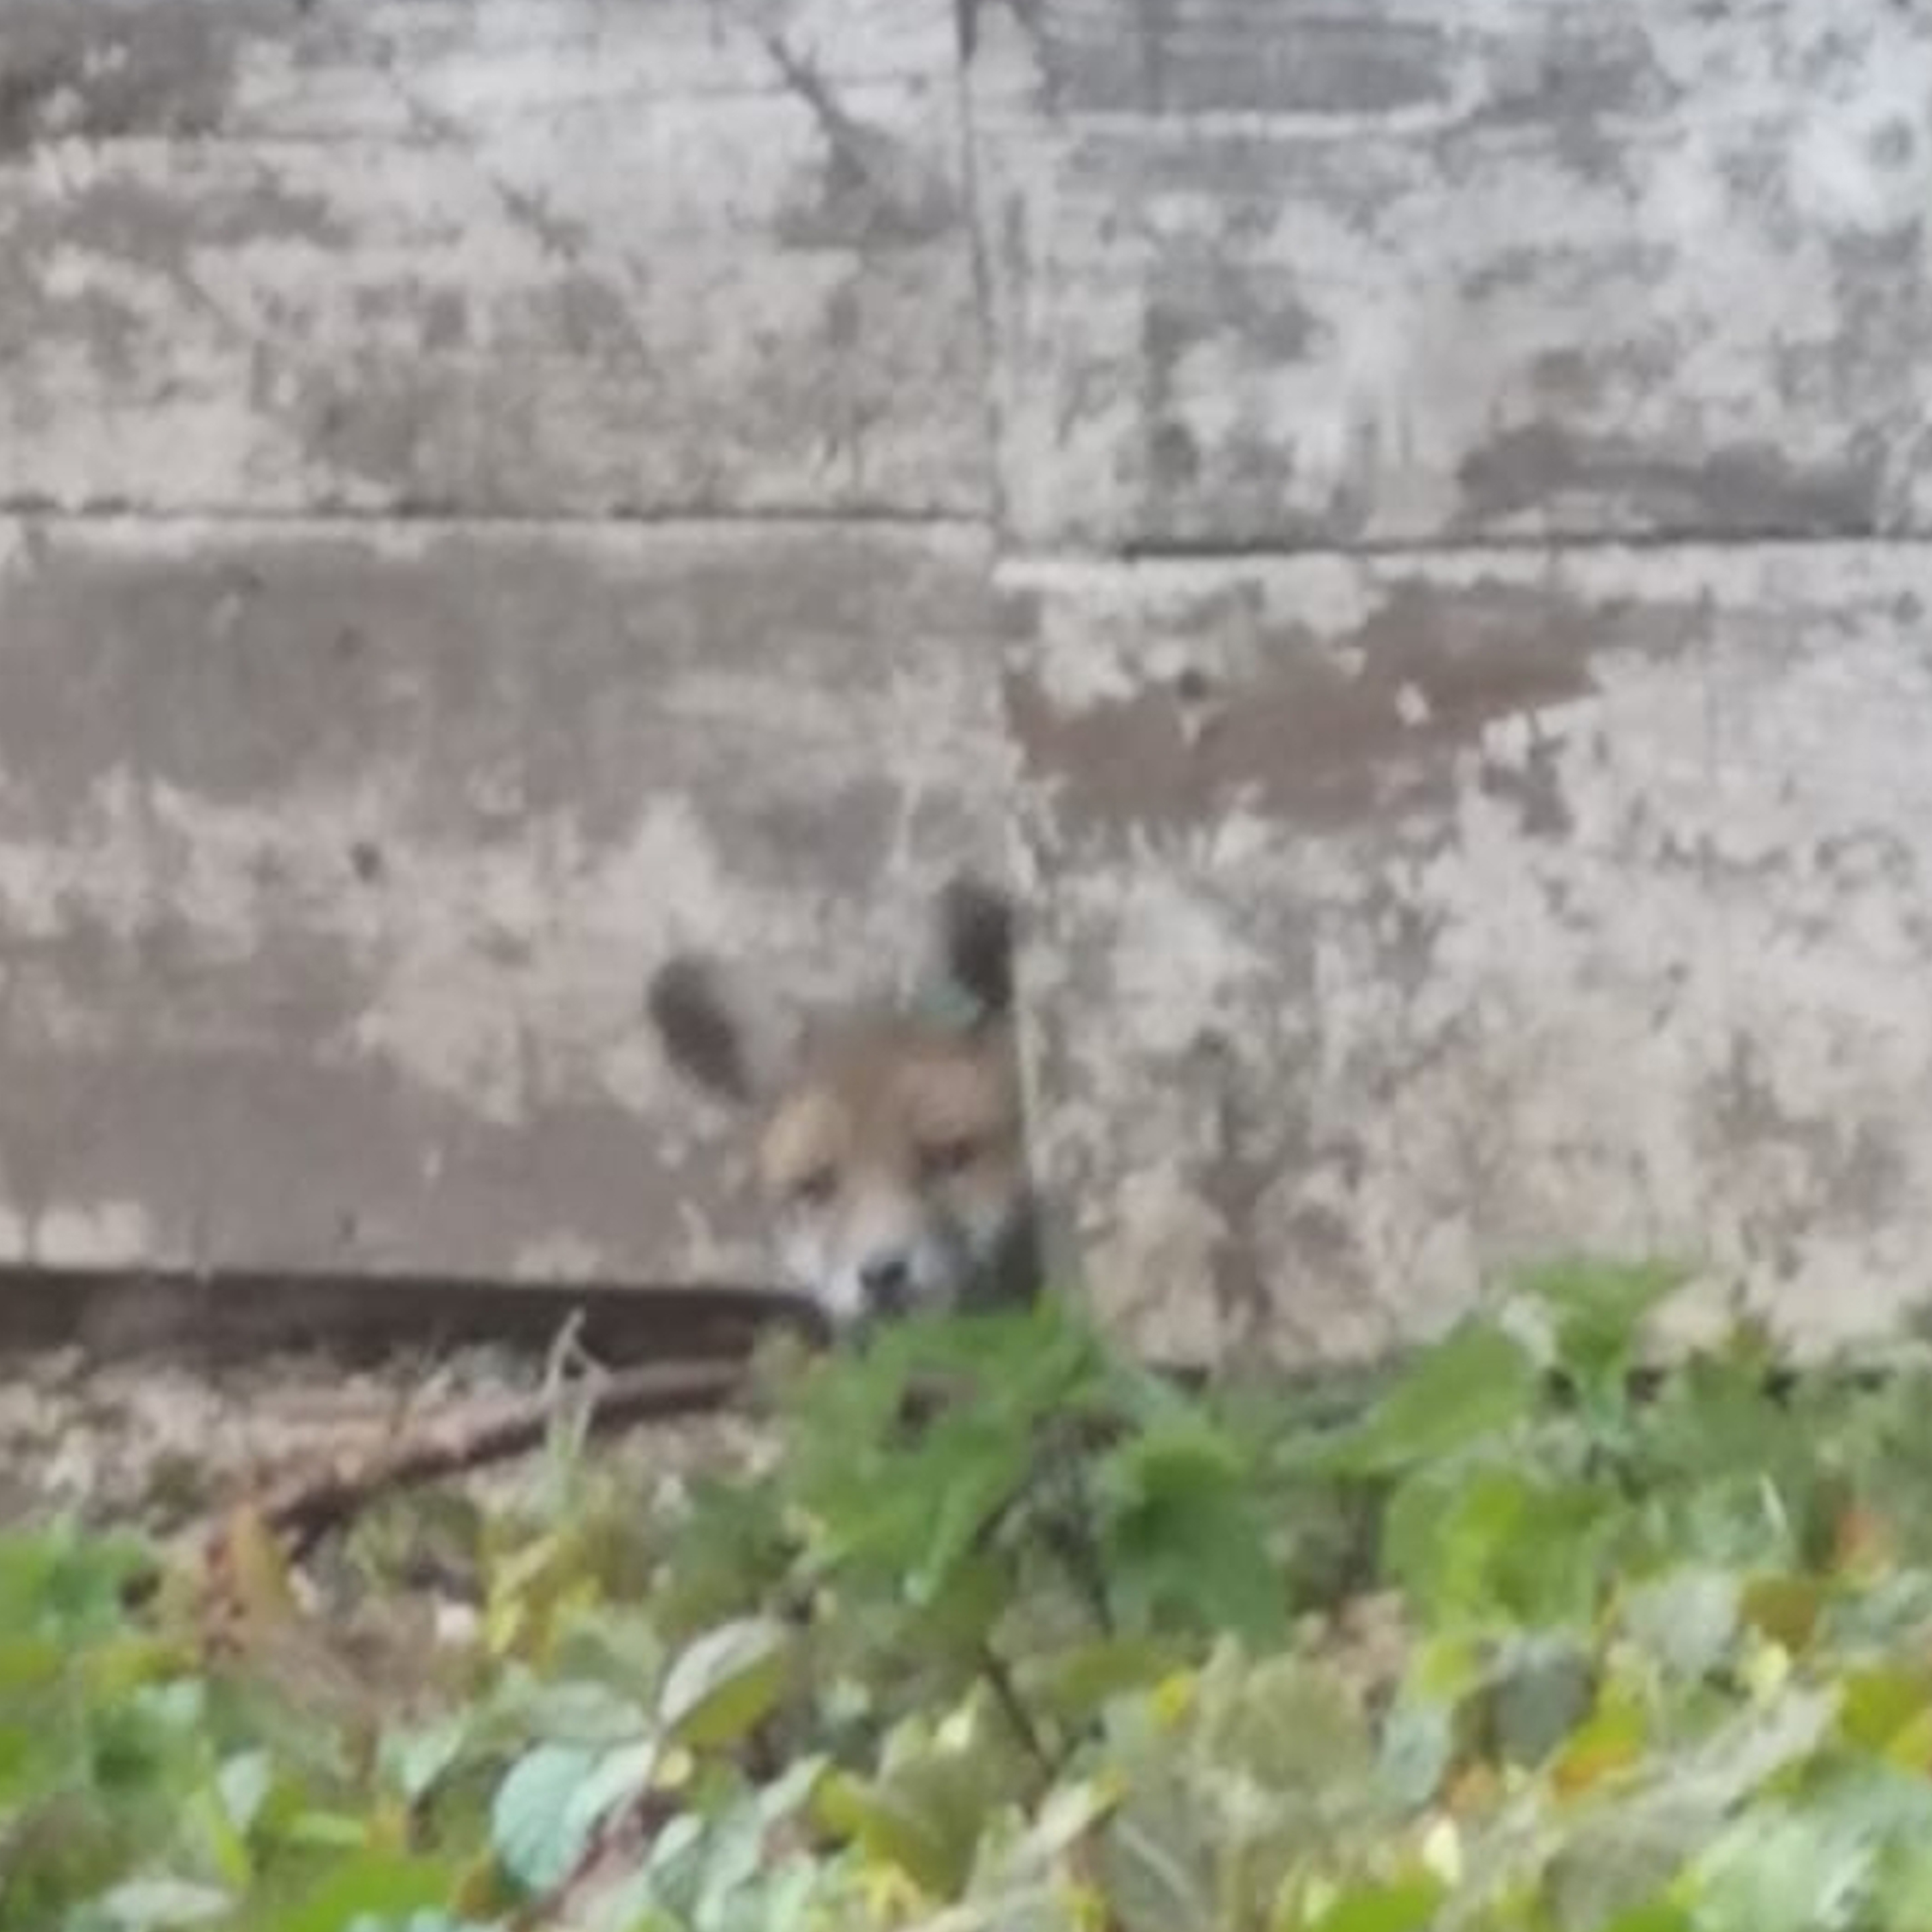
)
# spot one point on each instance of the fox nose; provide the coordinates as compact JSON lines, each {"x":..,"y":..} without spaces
{"x":886,"y":1280}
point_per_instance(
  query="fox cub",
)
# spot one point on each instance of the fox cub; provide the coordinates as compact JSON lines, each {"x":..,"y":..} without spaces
{"x":890,"y":1140}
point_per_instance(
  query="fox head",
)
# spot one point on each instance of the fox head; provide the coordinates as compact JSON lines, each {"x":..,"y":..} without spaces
{"x":890,"y":1141}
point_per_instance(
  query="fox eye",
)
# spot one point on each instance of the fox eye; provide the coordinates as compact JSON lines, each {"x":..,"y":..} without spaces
{"x":814,"y":1188}
{"x":939,"y":1159}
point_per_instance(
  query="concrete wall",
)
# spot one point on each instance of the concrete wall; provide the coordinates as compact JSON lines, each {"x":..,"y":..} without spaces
{"x":1403,"y":526}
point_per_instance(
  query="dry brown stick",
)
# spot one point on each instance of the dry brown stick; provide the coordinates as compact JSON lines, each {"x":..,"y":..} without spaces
{"x":311,"y":1505}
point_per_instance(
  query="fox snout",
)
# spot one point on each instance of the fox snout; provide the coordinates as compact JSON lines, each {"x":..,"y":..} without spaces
{"x":892,"y":1256}
{"x":885,"y":1283}
{"x":905,"y":1237}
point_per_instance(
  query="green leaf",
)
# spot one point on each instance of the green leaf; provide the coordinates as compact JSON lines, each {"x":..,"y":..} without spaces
{"x":554,"y":1799}
{"x":1688,"y":1620}
{"x":1284,"y":1724}
{"x":1542,"y":1692}
{"x":925,"y":1808}
{"x":1777,"y":1870}
{"x":966,"y":1504}
{"x":1032,"y":1854}
{"x":595,"y":1643}
{"x":1654,"y":1917}
{"x":1478,"y":1382}
{"x":163,"y":1905}
{"x":1073,"y":1684}
{"x":1183,"y":1535}
{"x":319,"y":1830}
{"x":537,"y":1823}
{"x":62,"y":1581}
{"x":244,"y":1782}
{"x":1599,"y":1308}
{"x":735,"y":1885}
{"x":28,"y":1662}
{"x":721,"y":1688}
{"x":896,"y":1823}
{"x":1486,"y":1540}
{"x":1156,"y":1875}
{"x":1207,"y":1566}
{"x":1418,"y":1746}
{"x":375,"y":1886}
{"x":1410,"y":1906}
{"x":431,"y":1920}
{"x":414,"y":1760}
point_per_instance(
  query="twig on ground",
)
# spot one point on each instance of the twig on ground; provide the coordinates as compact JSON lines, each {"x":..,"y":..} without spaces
{"x":305,"y":1509}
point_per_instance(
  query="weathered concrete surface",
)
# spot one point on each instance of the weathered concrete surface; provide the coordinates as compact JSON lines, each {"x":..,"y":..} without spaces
{"x":522,"y":255}
{"x":1405,"y":899}
{"x":1413,"y":917}
{"x":1279,"y":272}
{"x":332,"y":864}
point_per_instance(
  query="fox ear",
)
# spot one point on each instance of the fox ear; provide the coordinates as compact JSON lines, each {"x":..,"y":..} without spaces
{"x":708,"y":1033}
{"x":975,"y":926}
